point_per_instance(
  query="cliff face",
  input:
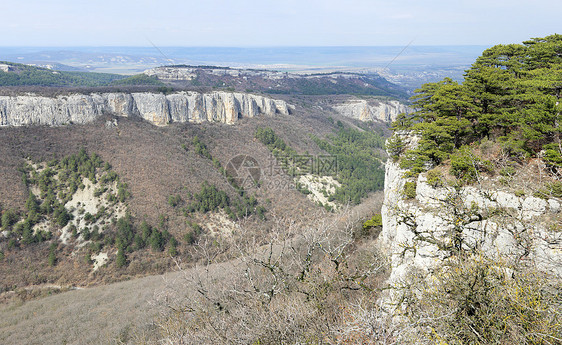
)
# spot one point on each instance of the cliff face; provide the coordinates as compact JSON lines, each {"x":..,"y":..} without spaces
{"x":156,"y":108}
{"x":172,"y":74}
{"x":419,"y":233}
{"x":372,"y":110}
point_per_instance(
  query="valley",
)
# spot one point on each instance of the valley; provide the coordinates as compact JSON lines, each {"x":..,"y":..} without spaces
{"x":163,"y":168}
{"x":200,"y":204}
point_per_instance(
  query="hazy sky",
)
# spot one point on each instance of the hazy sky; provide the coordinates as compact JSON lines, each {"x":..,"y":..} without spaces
{"x":276,"y":22}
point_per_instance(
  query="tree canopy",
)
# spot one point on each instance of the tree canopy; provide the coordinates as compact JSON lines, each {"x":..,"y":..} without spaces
{"x":511,"y":94}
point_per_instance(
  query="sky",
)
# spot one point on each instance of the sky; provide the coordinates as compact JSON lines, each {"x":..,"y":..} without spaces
{"x":259,"y":23}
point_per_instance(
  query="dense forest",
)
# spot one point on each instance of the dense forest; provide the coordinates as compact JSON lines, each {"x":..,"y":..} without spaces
{"x":138,"y":79}
{"x":511,"y":96}
{"x":358,"y":160}
{"x":359,"y":163}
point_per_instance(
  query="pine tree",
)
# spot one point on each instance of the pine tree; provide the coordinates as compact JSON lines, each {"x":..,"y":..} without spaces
{"x":52,"y":255}
{"x":121,"y":259}
{"x":510,"y":94}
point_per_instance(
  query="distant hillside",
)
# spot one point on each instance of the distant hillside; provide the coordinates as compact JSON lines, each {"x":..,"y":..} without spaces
{"x":275,"y":82}
{"x":207,"y":77}
{"x":55,"y":66}
{"x":15,"y":74}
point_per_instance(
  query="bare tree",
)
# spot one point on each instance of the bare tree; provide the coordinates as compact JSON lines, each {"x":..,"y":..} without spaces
{"x":296,"y":289}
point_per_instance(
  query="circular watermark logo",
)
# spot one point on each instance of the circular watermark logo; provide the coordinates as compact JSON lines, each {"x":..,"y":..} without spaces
{"x":244,"y":171}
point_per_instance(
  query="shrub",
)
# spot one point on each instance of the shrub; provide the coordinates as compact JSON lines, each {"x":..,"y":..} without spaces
{"x":99,"y":191}
{"x":163,"y":89}
{"x":138,"y":242}
{"x":415,"y":161}
{"x":410,"y":190}
{"x":96,"y":247}
{"x":465,"y":165}
{"x":435,"y":178}
{"x":173,"y":250}
{"x":122,"y":192}
{"x":9,"y":217}
{"x":174,"y":200}
{"x":156,"y":240}
{"x":508,"y":171}
{"x":86,"y":234}
{"x":552,"y":189}
{"x":121,"y":259}
{"x":196,"y":227}
{"x":553,"y":156}
{"x":62,"y":216}
{"x":476,"y":300}
{"x":88,"y":218}
{"x":190,"y":237}
{"x":216,"y":163}
{"x":200,"y":148}
{"x":369,"y":225}
{"x":555,"y":188}
{"x":375,"y":221}
{"x":12,"y":243}
{"x":513,"y":145}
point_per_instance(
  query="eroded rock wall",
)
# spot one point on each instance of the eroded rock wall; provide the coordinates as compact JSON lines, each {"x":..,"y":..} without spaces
{"x":156,"y":108}
{"x":364,"y":110}
{"x":419,"y":233}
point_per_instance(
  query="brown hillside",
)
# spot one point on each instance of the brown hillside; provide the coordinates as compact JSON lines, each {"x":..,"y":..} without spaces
{"x":153,"y":162}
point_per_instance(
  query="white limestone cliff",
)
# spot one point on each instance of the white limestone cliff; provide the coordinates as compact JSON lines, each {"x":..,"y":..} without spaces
{"x":156,"y":108}
{"x":371,"y":110}
{"x":172,"y":73}
{"x":493,"y":222}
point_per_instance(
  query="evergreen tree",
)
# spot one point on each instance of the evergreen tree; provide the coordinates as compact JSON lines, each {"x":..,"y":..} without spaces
{"x":9,"y":217}
{"x":121,"y":259}
{"x":52,"y":255}
{"x":511,"y":94}
{"x":156,"y":241}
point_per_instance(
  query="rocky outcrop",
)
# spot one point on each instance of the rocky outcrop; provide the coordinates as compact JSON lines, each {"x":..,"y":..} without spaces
{"x":419,"y":233}
{"x":188,"y":73}
{"x":172,"y":73}
{"x":6,"y":68}
{"x":156,"y":108}
{"x":372,"y":110}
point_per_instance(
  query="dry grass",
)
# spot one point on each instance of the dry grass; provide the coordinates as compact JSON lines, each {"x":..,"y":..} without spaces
{"x":88,"y":316}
